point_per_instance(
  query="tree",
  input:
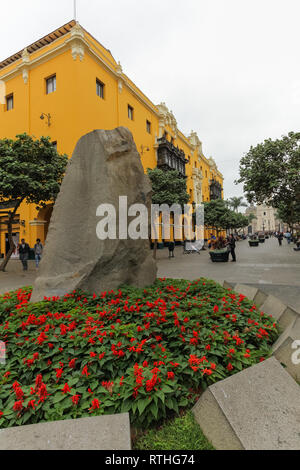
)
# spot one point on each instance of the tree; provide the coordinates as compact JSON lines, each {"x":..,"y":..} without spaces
{"x":30,"y":171}
{"x":236,"y":202}
{"x":288,"y":215}
{"x":270,"y":173}
{"x":217,"y":215}
{"x":168,"y":187}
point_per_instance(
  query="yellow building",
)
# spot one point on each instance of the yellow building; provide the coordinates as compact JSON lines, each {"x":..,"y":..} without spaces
{"x":66,"y":85}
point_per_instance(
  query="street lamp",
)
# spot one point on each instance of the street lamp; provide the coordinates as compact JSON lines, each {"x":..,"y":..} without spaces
{"x":47,"y":116}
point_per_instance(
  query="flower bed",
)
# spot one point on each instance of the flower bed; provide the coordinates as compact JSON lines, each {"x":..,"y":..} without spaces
{"x":147,"y":351}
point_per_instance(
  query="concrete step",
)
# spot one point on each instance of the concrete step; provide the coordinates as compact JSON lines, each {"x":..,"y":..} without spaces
{"x":107,"y":432}
{"x":256,"y":409}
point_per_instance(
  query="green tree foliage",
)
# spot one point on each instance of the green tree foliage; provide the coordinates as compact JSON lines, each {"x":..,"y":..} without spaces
{"x":217,"y":215}
{"x":30,"y":170}
{"x":168,"y":187}
{"x":270,"y":173}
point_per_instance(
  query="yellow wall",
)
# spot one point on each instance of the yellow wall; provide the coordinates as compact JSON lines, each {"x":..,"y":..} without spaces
{"x":75,"y":109}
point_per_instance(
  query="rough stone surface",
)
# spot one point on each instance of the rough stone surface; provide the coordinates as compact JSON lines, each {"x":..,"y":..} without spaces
{"x":283,"y":350}
{"x":227,"y":285}
{"x":273,"y":306}
{"x":110,"y":432}
{"x":288,"y":317}
{"x":104,"y":166}
{"x":260,"y":298}
{"x":258,"y":408}
{"x":248,"y":291}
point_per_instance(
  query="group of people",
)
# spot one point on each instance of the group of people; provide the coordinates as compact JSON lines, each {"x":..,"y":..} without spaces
{"x":24,"y":251}
{"x":289,"y":238}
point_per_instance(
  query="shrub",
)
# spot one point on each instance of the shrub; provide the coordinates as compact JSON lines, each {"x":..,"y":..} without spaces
{"x":147,"y":351}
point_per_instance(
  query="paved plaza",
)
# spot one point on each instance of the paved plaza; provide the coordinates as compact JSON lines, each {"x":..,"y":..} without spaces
{"x":274,"y":269}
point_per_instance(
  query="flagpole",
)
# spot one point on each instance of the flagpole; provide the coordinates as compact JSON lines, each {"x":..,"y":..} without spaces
{"x":75,"y":12}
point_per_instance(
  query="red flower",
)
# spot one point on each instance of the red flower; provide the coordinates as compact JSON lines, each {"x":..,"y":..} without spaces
{"x":207,"y":347}
{"x":230,"y":366}
{"x":66,"y":388}
{"x":19,"y":393}
{"x":171,"y":375}
{"x":18,"y":406}
{"x":72,"y":363}
{"x":75,"y":399}
{"x":31,"y":404}
{"x":38,"y":381}
{"x":95,"y":405}
{"x":1,"y":413}
{"x":85,"y":371}
{"x":59,"y":373}
{"x":216,"y":309}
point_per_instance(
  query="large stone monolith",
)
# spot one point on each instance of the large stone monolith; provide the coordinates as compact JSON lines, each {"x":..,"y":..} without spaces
{"x":105,"y":165}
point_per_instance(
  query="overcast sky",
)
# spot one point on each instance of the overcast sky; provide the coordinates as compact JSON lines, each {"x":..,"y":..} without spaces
{"x":228,"y":69}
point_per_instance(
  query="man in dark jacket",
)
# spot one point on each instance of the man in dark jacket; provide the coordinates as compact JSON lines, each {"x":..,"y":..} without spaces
{"x":171,"y":249}
{"x":231,"y":243}
{"x":24,"y":254}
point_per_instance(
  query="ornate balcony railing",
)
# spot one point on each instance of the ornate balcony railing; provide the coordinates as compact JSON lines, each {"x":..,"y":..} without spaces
{"x":170,"y":157}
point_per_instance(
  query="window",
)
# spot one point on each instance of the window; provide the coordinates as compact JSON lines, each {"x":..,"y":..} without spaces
{"x":9,"y":102}
{"x":100,"y":89}
{"x":148,"y":127}
{"x":51,"y":84}
{"x":172,"y":140}
{"x":130,"y":112}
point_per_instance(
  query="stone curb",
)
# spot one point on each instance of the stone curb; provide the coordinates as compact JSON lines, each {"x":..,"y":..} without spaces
{"x":255,"y":409}
{"x":106,"y":432}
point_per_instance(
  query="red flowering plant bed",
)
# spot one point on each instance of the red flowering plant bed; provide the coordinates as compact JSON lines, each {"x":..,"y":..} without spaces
{"x":147,"y":351}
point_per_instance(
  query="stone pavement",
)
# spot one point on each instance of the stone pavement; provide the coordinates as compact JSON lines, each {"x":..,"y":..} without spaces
{"x":274,"y":269}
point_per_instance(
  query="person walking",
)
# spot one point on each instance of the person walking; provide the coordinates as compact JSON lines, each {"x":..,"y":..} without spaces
{"x":288,"y":236}
{"x":232,"y":246}
{"x":24,"y":250}
{"x":280,"y":238}
{"x":171,"y":249}
{"x":38,"y":250}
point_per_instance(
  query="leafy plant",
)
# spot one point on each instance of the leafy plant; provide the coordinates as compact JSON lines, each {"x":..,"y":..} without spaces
{"x":146,"y":351}
{"x":30,"y":170}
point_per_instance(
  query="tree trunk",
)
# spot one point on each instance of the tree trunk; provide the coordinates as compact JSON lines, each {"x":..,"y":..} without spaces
{"x":11,"y":245}
{"x":9,"y":223}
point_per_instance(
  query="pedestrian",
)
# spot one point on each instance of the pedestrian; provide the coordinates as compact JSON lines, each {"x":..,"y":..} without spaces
{"x":232,"y":244}
{"x":24,"y":250}
{"x":280,"y":238}
{"x":38,"y":250}
{"x":171,"y":249}
{"x":288,"y":236}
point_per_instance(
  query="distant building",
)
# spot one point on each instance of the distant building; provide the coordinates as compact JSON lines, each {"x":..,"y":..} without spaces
{"x":265,"y":220}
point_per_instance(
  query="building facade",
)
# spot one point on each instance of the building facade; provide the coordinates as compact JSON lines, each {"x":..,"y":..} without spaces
{"x":66,"y":85}
{"x":265,"y":220}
